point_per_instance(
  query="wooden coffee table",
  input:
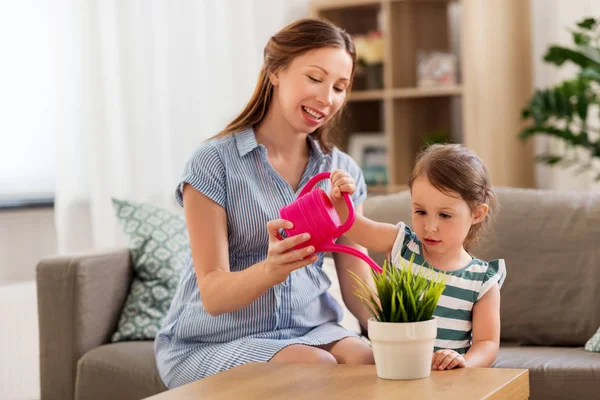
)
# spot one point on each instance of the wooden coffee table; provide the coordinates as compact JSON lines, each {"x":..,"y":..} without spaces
{"x":316,"y":381}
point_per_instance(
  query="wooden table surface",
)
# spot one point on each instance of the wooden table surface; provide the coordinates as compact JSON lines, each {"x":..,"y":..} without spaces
{"x":323,"y":381}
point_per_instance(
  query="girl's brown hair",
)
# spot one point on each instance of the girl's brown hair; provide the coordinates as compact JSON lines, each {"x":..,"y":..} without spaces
{"x":456,"y":170}
{"x":295,"y":39}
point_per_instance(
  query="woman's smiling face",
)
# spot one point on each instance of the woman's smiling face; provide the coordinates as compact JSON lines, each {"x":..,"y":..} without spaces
{"x":312,"y":89}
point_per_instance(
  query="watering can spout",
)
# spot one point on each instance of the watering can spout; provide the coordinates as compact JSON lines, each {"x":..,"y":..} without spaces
{"x":342,"y":248}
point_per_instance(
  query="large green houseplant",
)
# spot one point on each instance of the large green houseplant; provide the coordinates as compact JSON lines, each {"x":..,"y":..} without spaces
{"x":402,"y":329}
{"x":564,"y":111}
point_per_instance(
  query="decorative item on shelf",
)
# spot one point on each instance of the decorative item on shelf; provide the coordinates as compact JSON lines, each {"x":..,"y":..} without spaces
{"x":369,"y":54}
{"x":568,"y":111}
{"x":369,"y":150}
{"x":402,"y":329}
{"x":436,"y":68}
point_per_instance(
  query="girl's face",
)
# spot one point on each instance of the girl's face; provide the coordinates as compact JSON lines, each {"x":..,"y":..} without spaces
{"x":441,"y":222}
{"x":312,"y":88}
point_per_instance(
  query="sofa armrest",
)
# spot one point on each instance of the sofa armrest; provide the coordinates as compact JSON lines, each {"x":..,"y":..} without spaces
{"x":80,"y":298}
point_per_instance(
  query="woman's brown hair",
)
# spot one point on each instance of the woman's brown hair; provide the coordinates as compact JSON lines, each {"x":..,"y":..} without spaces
{"x":456,"y":170}
{"x":295,"y":39}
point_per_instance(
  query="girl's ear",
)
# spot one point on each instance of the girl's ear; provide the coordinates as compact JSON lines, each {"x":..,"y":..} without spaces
{"x":480,"y":213}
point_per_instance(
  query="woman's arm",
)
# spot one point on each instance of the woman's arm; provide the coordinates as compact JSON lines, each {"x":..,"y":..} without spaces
{"x":486,"y":330}
{"x":345,"y":263}
{"x":222,"y":290}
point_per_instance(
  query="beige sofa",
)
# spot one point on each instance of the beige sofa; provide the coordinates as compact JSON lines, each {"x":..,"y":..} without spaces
{"x":549,"y":303}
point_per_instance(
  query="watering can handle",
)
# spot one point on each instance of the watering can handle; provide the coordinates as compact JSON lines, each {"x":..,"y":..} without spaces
{"x":351,"y":213}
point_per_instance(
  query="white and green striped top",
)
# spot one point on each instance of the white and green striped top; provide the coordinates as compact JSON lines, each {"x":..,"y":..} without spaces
{"x":464,"y":287}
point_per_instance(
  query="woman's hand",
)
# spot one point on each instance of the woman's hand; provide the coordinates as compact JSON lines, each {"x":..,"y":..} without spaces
{"x":282,"y":258}
{"x":447,"y":359}
{"x":341,"y":182}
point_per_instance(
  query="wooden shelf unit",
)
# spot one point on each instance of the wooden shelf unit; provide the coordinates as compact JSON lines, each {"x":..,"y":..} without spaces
{"x":404,"y":93}
{"x":408,"y":115}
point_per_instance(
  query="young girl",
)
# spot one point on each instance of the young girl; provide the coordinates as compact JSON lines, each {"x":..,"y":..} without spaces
{"x":452,"y":205}
{"x":245,"y":295}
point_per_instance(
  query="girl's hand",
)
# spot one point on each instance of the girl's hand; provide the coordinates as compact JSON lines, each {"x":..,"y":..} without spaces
{"x":282,"y":258}
{"x":341,"y":182}
{"x":447,"y":359}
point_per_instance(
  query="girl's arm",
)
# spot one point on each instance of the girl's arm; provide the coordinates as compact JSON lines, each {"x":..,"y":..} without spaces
{"x":375,"y":236}
{"x":224,"y":291}
{"x":486,"y":330}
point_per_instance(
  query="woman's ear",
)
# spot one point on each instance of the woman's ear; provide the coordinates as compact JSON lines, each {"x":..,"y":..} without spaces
{"x":274,"y":78}
{"x":480,"y":213}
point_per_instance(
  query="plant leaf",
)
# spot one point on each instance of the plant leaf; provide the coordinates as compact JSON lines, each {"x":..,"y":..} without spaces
{"x":558,"y":55}
{"x":400,"y":294}
{"x":581,"y":38}
{"x":550,"y":159}
{"x":587,"y":23}
{"x":590,"y":73}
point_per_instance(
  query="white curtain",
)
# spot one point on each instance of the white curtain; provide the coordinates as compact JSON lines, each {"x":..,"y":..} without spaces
{"x":551,"y":23}
{"x":140,"y":84}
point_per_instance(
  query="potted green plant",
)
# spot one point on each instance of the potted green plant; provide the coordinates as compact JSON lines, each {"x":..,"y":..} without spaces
{"x":402,"y":329}
{"x":563,"y":111}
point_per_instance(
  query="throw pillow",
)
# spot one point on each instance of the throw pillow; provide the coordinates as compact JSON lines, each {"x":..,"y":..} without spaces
{"x":594,"y":343}
{"x":159,"y":245}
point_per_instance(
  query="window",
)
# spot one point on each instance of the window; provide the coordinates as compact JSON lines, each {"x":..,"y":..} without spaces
{"x":27,"y":138}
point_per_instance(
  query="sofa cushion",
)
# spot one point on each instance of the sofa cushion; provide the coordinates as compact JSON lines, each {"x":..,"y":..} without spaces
{"x":118,"y":371}
{"x":555,"y":372}
{"x":159,"y":246}
{"x":548,"y":240}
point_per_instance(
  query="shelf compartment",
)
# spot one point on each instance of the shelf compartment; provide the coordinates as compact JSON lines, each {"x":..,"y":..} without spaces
{"x":356,"y":20}
{"x":416,"y":26}
{"x":360,"y":117}
{"x":326,"y":5}
{"x":415,"y":122}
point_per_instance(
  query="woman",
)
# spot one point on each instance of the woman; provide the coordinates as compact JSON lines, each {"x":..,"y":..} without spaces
{"x":245,"y":294}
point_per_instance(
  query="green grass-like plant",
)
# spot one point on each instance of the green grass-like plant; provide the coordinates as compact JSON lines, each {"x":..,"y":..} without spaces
{"x":400,"y":294}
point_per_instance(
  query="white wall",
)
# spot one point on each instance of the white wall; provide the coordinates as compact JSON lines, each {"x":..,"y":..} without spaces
{"x":25,"y":237}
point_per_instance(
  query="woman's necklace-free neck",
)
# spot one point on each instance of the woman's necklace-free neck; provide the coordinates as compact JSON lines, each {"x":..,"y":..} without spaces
{"x":283,"y":143}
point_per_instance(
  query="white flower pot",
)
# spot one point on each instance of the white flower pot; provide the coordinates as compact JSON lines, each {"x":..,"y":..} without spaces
{"x":403,"y":350}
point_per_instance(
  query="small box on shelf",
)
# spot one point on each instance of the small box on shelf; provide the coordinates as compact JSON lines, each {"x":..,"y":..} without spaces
{"x":436,"y":69}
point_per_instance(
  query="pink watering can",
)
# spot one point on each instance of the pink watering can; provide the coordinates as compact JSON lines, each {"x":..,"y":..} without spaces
{"x":313,"y":212}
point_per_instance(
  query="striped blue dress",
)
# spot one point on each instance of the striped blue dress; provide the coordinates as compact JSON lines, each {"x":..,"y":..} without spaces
{"x":234,"y":172}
